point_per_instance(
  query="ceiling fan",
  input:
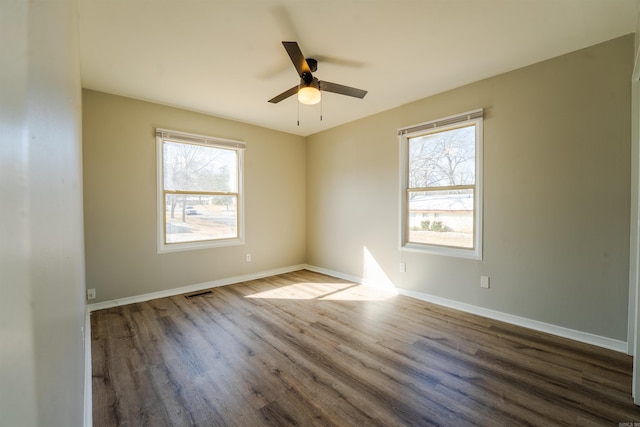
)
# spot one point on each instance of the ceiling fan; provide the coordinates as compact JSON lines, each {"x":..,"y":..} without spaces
{"x":309,"y":88}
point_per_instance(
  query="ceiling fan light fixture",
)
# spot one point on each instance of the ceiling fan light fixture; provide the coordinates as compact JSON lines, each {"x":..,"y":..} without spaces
{"x":309,"y":93}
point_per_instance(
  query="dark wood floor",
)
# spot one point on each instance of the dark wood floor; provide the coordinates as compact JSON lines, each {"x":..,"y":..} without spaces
{"x":306,"y":349}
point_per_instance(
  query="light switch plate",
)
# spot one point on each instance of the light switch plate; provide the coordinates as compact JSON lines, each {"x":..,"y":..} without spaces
{"x":484,"y":282}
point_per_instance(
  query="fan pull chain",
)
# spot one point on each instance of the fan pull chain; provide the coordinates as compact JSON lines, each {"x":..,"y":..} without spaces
{"x":298,"y":104}
{"x":320,"y":109}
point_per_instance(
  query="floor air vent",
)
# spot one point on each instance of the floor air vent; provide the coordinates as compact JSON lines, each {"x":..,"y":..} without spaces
{"x":197,"y":294}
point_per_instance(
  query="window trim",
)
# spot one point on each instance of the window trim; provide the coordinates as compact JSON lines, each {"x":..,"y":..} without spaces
{"x":447,"y":123}
{"x":163,"y":135}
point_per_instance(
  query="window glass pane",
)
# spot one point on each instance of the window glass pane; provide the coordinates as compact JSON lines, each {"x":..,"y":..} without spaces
{"x":441,"y":217}
{"x":443,"y":159}
{"x":192,"y":218}
{"x":189,"y":167}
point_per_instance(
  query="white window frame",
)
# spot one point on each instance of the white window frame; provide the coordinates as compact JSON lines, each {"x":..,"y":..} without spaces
{"x":163,"y":135}
{"x":474,"y":117}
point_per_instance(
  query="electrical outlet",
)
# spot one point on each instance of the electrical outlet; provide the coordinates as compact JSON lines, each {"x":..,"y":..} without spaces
{"x":403,"y":267}
{"x":91,"y":294}
{"x":247,"y":257}
{"x":484,"y":282}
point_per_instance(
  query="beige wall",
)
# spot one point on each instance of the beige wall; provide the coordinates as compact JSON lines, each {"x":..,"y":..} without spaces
{"x":42,"y":308}
{"x":556,"y":193}
{"x":120,"y":199}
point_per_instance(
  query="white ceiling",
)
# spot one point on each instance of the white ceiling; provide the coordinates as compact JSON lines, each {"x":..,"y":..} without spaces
{"x":225,"y":58}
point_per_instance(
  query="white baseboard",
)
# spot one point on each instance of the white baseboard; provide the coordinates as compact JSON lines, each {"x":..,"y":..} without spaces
{"x":585,"y":337}
{"x":332,"y":273}
{"x":193,"y":288}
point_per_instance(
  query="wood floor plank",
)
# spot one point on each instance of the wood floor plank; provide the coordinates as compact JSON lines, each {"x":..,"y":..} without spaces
{"x":307,"y":349}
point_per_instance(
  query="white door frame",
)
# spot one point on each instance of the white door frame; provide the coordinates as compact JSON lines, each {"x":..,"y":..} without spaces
{"x":633,"y":330}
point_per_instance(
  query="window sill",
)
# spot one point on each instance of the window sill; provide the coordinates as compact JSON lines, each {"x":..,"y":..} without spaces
{"x":474,"y":254}
{"x":189,"y":246}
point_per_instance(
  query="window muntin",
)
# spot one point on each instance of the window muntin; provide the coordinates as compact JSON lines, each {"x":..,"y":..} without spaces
{"x":441,"y":203}
{"x":199,"y":192}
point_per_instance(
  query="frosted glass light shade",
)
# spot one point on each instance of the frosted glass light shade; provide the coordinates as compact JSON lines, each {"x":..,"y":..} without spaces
{"x":309,"y":95}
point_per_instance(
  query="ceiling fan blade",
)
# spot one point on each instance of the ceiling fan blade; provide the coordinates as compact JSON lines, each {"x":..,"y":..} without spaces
{"x":342,"y":90}
{"x":284,"y":95}
{"x":297,"y":57}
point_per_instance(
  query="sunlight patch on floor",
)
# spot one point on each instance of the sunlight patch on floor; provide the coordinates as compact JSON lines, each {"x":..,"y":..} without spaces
{"x":376,"y":286}
{"x":326,"y":291}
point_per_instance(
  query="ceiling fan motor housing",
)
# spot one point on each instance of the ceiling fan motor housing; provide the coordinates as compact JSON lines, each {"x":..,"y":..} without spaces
{"x":307,"y":78}
{"x":312,"y":82}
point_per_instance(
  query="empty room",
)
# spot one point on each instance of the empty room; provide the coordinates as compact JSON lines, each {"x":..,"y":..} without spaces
{"x":320,"y":213}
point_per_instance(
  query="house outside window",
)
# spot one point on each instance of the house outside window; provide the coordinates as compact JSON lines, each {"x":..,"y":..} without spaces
{"x":442,"y":186}
{"x":200,"y":200}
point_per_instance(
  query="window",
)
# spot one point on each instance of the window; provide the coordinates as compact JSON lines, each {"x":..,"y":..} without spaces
{"x":199,"y":191}
{"x":442,"y":191}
